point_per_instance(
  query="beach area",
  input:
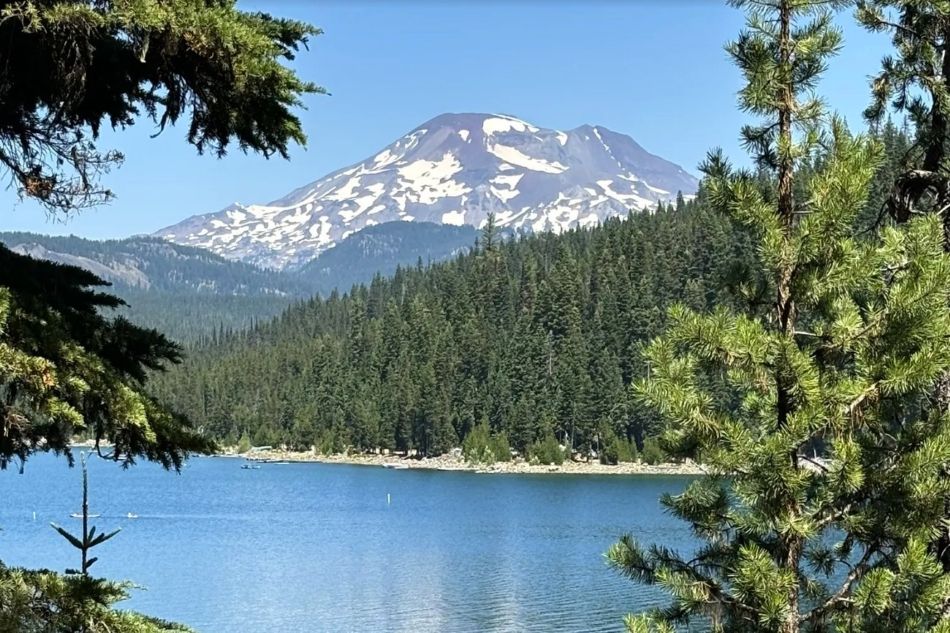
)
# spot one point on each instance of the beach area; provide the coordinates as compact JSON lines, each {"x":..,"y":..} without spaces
{"x":450,"y":462}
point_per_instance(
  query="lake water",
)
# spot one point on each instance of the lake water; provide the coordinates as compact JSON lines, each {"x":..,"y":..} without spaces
{"x":313,"y":547}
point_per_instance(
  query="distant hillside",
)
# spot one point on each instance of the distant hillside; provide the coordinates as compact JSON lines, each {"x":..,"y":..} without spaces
{"x":189,"y":293}
{"x":381,"y":249}
{"x":149,"y":263}
{"x":182,"y":291}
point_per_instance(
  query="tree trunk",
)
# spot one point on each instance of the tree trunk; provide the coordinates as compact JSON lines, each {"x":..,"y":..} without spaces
{"x":793,"y":554}
{"x":933,"y":162}
{"x":939,"y":126}
{"x":785,"y":304}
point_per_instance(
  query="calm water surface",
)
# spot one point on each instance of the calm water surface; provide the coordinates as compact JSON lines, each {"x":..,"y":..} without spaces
{"x":312,"y":547}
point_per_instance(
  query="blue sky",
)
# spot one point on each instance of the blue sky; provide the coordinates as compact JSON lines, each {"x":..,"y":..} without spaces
{"x":653,"y":69}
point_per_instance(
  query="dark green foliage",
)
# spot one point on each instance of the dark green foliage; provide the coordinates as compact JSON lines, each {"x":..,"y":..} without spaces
{"x":69,"y":67}
{"x":329,"y":442}
{"x":915,"y":82}
{"x":616,"y":449}
{"x":500,"y":448}
{"x":536,"y":336}
{"x":476,"y":447}
{"x":610,"y":454}
{"x":193,"y":318}
{"x":481,"y":446}
{"x":652,"y":452}
{"x":841,"y":360}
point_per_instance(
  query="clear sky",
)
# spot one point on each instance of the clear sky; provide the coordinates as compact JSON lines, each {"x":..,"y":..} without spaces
{"x":652,"y":69}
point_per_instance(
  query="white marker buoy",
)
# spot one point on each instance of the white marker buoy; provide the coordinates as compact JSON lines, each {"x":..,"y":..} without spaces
{"x":389,"y":499}
{"x":34,"y":515}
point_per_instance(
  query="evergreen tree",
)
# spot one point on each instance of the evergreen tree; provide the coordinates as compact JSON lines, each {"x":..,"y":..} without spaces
{"x":842,"y":358}
{"x":66,"y":370}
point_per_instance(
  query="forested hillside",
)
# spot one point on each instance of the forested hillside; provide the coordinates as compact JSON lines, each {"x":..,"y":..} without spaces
{"x":380,"y":249}
{"x":537,"y":336}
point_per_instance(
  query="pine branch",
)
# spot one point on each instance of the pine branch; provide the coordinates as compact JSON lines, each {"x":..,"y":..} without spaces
{"x":814,"y":462}
{"x":857,"y":402}
{"x":840,"y":596}
{"x":880,"y":22}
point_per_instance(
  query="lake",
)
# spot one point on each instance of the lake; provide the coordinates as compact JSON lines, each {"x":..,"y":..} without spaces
{"x":315,"y":547}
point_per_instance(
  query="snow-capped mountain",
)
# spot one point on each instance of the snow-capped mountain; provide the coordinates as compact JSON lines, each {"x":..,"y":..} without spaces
{"x":454,"y":169}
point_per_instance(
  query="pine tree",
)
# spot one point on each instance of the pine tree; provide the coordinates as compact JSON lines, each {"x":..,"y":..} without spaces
{"x":840,"y":361}
{"x":67,"y":370}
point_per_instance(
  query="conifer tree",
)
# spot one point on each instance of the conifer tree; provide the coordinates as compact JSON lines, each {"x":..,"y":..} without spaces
{"x":67,"y":370}
{"x":840,"y":361}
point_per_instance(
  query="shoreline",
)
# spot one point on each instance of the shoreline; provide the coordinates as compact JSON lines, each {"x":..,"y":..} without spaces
{"x":457,"y":464}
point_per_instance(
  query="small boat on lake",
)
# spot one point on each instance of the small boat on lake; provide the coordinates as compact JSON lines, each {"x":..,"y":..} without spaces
{"x":250,"y":467}
{"x":131,"y":515}
{"x":396,"y":466}
{"x":78,"y":515}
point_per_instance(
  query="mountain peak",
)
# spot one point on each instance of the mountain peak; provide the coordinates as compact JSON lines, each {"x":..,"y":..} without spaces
{"x":456,"y":168}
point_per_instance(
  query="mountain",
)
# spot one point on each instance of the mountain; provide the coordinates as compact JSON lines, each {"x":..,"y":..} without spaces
{"x":536,"y":337}
{"x":454,"y":169}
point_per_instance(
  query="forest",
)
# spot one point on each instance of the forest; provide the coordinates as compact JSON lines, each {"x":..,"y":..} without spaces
{"x":537,"y":337}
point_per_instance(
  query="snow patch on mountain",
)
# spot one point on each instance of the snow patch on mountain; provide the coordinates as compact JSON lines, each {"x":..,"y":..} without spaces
{"x":514,"y":157}
{"x":502,"y":124}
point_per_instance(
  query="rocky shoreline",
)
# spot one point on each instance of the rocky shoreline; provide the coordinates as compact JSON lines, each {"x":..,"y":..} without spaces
{"x":452,"y":463}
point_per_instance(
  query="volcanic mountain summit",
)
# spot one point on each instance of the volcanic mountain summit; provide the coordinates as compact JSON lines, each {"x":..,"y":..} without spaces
{"x":453,"y":169}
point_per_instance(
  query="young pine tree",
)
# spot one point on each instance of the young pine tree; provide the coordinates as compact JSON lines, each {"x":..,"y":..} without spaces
{"x":839,"y":364}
